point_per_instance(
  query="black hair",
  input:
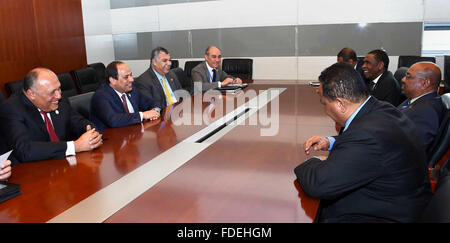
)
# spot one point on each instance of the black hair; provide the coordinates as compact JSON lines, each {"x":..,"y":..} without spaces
{"x":341,"y":80}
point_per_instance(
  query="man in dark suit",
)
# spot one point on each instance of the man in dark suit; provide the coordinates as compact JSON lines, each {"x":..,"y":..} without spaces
{"x":376,"y":169}
{"x":117,"y":103}
{"x":209,"y":74}
{"x":423,"y":104}
{"x":349,"y":56}
{"x":381,"y":83}
{"x":38,"y":125}
{"x":159,"y":83}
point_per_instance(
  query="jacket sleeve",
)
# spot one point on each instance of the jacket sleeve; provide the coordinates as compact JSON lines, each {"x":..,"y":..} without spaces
{"x":353,"y":162}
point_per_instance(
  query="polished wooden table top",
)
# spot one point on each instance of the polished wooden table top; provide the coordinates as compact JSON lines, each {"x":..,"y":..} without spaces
{"x":242,"y":177}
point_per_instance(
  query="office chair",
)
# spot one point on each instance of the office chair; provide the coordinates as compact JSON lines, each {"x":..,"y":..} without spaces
{"x":238,"y":67}
{"x":86,"y":79}
{"x":437,"y":210}
{"x":68,"y":88}
{"x":100,"y":71}
{"x":446,"y":74}
{"x":408,"y":61}
{"x":441,"y":143}
{"x":82,"y":103}
{"x":14,"y":87}
{"x":175,"y":64}
{"x":186,"y":83}
{"x":2,"y":97}
{"x":189,"y":65}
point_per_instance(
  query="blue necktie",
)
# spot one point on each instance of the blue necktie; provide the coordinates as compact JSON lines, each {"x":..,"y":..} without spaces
{"x":214,"y":75}
{"x":405,"y":105}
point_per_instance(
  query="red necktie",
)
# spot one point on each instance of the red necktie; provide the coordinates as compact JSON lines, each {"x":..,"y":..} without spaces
{"x":50,"y":129}
{"x":124,"y":101}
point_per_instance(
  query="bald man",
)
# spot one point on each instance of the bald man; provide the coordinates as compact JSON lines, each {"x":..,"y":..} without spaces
{"x":209,"y":73}
{"x":423,"y":104}
{"x":38,"y":125}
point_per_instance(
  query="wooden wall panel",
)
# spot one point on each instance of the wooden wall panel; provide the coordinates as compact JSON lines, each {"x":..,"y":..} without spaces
{"x":46,"y":33}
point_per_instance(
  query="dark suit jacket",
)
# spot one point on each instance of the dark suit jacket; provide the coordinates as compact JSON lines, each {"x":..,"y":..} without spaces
{"x":24,"y":129}
{"x":201,"y":74}
{"x":107,"y":109}
{"x":375,"y":172}
{"x":387,"y":89}
{"x":148,"y":84}
{"x":426,"y":113}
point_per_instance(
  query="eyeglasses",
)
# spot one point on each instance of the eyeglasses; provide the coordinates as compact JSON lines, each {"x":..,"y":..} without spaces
{"x":409,"y":76}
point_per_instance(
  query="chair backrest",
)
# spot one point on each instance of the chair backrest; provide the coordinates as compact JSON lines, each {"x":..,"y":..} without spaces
{"x":2,"y":97}
{"x":68,"y":88}
{"x":100,"y":71}
{"x":175,"y":64}
{"x":441,"y":143}
{"x":14,"y":87}
{"x":82,"y":103}
{"x":400,"y":73}
{"x":185,"y":82}
{"x":189,"y":65}
{"x":86,"y":79}
{"x":408,"y":61}
{"x":446,"y":74}
{"x":238,"y":67}
{"x":438,"y":210}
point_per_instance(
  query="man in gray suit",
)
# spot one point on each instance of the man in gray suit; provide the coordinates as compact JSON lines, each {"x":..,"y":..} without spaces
{"x":210,"y":74}
{"x":159,"y":83}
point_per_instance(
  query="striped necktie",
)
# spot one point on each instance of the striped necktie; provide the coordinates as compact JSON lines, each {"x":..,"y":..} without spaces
{"x":167,"y":92}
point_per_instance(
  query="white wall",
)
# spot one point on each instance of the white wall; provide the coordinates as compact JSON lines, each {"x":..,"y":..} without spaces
{"x":101,"y":23}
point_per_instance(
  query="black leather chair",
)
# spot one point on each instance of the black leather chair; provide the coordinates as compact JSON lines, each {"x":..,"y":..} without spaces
{"x":189,"y":65}
{"x":441,"y":143}
{"x":446,"y":74}
{"x":408,"y":61}
{"x":86,"y":79}
{"x":175,"y":64}
{"x":398,"y":75}
{"x":68,"y":88}
{"x":82,"y":103}
{"x":2,"y":97}
{"x":14,"y":87}
{"x":438,"y":210}
{"x":238,"y":67}
{"x":100,"y":71}
{"x":185,"y":82}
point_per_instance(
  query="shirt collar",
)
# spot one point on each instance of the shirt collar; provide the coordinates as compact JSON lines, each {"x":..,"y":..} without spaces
{"x":350,"y":119}
{"x":376,"y":80}
{"x":412,"y":100}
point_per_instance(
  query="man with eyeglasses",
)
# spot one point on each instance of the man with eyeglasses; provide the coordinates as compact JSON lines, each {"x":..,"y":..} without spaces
{"x":210,"y":74}
{"x":118,"y":104}
{"x":423,"y":104}
{"x":38,"y":124}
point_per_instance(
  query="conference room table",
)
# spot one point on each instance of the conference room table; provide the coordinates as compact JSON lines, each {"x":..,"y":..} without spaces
{"x":239,"y":176}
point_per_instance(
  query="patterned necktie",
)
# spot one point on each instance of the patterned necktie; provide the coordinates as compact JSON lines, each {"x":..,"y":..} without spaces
{"x":214,"y":75}
{"x":50,"y":129}
{"x":124,"y":101}
{"x":166,"y":90}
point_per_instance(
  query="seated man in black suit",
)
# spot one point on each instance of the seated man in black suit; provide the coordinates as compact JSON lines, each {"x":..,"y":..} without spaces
{"x":158,"y":82}
{"x":381,"y":83}
{"x":423,"y":104}
{"x":376,"y":170}
{"x":209,"y":74}
{"x":38,"y":125}
{"x":117,"y":103}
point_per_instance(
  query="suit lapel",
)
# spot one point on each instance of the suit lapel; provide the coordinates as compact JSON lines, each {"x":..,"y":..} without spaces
{"x":116,"y":99}
{"x":35,"y":115}
{"x":161,"y":89}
